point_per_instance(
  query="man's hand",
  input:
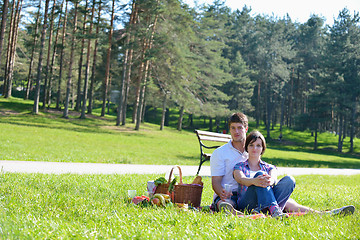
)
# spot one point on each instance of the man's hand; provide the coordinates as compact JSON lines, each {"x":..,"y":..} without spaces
{"x":225,"y":195}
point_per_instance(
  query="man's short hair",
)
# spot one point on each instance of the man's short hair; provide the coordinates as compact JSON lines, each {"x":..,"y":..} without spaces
{"x":238,"y":118}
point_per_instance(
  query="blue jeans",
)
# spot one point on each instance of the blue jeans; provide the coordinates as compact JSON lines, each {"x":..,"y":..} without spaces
{"x":259,"y":198}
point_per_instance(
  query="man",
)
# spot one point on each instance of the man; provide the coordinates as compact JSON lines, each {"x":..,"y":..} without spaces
{"x":222,"y":163}
{"x":223,"y":160}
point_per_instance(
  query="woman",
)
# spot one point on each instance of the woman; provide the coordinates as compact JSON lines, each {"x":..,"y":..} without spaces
{"x":259,"y":189}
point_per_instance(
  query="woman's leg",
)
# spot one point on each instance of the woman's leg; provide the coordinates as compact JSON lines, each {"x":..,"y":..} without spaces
{"x":292,"y":206}
{"x":249,"y":200}
{"x":283,"y":189}
{"x":257,"y":197}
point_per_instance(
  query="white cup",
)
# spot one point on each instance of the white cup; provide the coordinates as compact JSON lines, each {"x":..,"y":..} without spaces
{"x":228,"y":187}
{"x":131,"y":194}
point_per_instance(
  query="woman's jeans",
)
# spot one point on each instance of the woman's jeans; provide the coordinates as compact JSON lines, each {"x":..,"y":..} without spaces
{"x":259,"y":198}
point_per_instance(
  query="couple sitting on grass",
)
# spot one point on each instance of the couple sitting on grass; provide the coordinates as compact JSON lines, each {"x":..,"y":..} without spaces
{"x":255,"y":187}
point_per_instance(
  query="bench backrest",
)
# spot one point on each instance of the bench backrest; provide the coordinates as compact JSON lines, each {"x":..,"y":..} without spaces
{"x":211,"y":136}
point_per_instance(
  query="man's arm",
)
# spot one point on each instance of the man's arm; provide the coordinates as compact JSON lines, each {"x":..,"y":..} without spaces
{"x":218,"y":189}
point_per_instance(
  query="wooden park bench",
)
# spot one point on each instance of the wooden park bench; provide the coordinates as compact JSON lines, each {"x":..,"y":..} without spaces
{"x":207,"y":137}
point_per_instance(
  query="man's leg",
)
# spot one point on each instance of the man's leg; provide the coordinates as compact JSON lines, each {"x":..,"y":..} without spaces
{"x":227,"y":206}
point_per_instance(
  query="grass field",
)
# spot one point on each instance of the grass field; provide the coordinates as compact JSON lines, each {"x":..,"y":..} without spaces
{"x":48,"y":137}
{"x":71,"y":206}
{"x":41,"y":206}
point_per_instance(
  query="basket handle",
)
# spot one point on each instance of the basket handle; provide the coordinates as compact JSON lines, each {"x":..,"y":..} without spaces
{"x":180,"y":173}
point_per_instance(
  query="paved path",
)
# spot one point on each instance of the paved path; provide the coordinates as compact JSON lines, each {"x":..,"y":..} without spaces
{"x":101,"y":168}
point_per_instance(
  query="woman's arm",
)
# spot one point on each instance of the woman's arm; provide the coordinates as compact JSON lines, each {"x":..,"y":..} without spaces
{"x":273,"y":177}
{"x":260,"y":181}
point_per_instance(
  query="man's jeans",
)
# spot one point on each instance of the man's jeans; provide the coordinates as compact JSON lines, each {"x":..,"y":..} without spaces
{"x":259,"y":198}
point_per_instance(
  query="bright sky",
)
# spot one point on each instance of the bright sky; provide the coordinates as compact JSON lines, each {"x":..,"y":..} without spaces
{"x":299,"y":10}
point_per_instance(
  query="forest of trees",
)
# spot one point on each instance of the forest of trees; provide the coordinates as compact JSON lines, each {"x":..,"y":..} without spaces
{"x":205,"y":61}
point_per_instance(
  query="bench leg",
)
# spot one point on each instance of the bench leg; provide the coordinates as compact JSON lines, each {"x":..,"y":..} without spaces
{"x":201,"y":162}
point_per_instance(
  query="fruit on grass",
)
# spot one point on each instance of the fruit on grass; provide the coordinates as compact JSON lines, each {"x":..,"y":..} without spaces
{"x":136,"y":200}
{"x":141,"y":200}
{"x":155,"y":201}
{"x":161,"y":199}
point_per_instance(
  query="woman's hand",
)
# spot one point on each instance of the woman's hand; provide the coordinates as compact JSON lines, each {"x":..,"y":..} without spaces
{"x":264,"y":181}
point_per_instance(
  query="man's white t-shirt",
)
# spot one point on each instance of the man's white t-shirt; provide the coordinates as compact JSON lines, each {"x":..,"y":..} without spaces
{"x":222,"y":163}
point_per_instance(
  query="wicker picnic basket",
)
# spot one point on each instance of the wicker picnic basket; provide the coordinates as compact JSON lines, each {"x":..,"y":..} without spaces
{"x":187,"y":193}
{"x":164,"y":188}
{"x":182,"y":193}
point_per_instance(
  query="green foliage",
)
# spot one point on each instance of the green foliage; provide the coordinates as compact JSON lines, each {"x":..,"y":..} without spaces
{"x":210,"y":60}
{"x":95,"y":206}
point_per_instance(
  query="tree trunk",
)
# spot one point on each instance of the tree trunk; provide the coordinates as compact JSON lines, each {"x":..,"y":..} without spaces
{"x":12,"y":46}
{"x":29,"y":78}
{"x":78,"y":95}
{"x":282,"y":113}
{"x":127,"y":86}
{"x":87,"y":65}
{"x":8,"y":49}
{"x":129,"y":64}
{"x":267,"y":107}
{"x":39,"y":69}
{"x":93,"y":69}
{"x":138,"y":83}
{"x":180,"y":119}
{"x":3,"y":25}
{"x":340,"y":140}
{"x":45,"y":100}
{"x":191,"y":124}
{"x":121,"y":110}
{"x":107,"y":71}
{"x":258,"y":104}
{"x":108,"y":99}
{"x":316,"y":137}
{"x":143,"y":112}
{"x":145,"y":76}
{"x":352,"y":126}
{"x":63,"y":42}
{"x":53,"y":58}
{"x":163,"y":112}
{"x":138,"y":110}
{"x":291,"y":105}
{"x":72,"y":51}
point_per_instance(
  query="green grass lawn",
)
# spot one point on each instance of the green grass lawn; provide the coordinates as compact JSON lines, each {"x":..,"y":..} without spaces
{"x":44,"y":206}
{"x":48,"y":206}
{"x":48,"y":137}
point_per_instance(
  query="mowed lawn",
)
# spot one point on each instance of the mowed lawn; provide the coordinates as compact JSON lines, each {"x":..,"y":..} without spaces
{"x":71,"y":206}
{"x":49,"y":137}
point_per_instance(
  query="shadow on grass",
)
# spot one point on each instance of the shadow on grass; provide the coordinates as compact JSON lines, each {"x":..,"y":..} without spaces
{"x":327,"y":152}
{"x":280,"y":162}
{"x":55,"y":121}
{"x":16,"y":105}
